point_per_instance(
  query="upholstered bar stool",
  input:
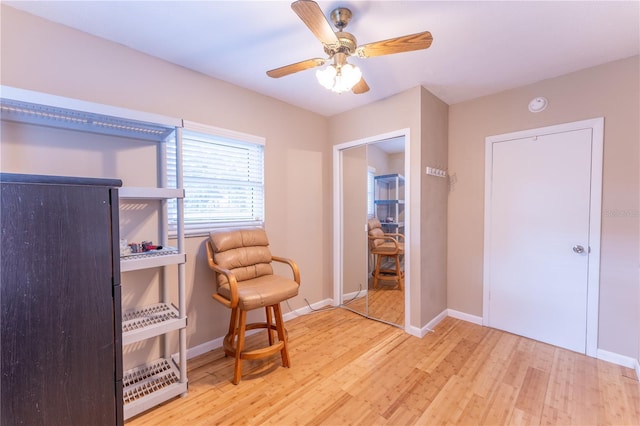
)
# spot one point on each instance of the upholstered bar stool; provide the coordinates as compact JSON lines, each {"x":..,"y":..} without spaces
{"x":383,"y":245}
{"x":245,"y":281}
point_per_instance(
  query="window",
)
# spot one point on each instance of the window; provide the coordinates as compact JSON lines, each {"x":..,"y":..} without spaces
{"x":371,"y":212}
{"x":223,"y":179}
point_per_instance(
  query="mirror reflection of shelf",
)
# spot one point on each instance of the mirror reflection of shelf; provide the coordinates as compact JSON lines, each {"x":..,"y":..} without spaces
{"x":389,"y":202}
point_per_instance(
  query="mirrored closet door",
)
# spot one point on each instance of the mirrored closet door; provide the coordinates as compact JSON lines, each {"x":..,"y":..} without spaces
{"x":354,"y":239}
{"x":372,"y":194}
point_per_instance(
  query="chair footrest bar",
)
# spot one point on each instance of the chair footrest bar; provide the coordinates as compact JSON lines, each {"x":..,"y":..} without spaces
{"x":263,"y":352}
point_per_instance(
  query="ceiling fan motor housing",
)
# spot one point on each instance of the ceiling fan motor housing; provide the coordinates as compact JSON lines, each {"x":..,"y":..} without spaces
{"x":347,"y":44}
{"x":341,"y":17}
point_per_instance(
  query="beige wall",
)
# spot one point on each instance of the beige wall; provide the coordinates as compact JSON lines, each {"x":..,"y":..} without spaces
{"x":396,"y":163}
{"x":379,"y":160}
{"x":433,"y":205}
{"x":612,"y":91}
{"x":43,"y":56}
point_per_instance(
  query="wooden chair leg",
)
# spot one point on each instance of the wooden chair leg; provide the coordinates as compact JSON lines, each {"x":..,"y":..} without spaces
{"x":230,"y":338}
{"x":237,"y":374}
{"x":376,"y":274}
{"x":399,"y":274}
{"x":269,"y":322}
{"x":282,"y":336}
{"x":233,"y":321}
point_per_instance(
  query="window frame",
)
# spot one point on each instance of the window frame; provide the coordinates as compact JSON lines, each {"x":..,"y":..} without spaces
{"x":220,"y":136}
{"x":371,"y":192}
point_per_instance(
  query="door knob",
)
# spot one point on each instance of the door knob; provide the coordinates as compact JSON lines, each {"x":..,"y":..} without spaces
{"x":578,"y":249}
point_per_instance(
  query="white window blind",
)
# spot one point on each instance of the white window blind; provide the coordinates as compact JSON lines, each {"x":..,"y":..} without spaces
{"x":223,"y":179}
{"x":371,"y":212}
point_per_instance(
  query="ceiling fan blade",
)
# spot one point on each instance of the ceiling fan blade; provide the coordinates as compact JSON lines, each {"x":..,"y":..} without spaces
{"x":314,"y":19}
{"x":293,"y":68}
{"x":360,"y":87}
{"x":396,"y":45}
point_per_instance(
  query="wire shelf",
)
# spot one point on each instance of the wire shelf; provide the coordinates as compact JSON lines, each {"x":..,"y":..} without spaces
{"x":147,"y":379}
{"x":147,"y":316}
{"x":148,"y":254}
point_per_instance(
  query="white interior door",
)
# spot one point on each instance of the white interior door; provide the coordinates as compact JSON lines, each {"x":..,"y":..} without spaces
{"x":539,"y":226}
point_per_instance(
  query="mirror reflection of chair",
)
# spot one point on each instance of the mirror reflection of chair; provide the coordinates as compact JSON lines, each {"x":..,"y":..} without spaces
{"x":385,"y":245}
{"x":245,"y":281}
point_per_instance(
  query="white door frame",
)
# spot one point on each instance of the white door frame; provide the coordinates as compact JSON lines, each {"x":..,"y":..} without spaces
{"x":337,"y":216}
{"x":595,"y":212}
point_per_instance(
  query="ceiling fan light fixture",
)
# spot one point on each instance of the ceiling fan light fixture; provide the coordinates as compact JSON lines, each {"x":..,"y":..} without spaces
{"x":327,"y":76}
{"x":339,"y":80}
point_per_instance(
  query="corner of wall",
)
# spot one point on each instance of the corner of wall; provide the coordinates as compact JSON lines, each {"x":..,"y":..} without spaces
{"x":434,"y":129}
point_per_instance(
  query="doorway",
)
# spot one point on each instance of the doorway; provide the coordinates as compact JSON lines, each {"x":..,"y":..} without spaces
{"x":542,"y":233}
{"x":360,"y":168}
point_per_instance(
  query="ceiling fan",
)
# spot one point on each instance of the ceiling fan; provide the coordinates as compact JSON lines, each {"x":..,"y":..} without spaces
{"x":340,"y":76}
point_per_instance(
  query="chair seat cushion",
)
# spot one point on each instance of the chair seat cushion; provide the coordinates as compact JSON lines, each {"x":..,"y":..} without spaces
{"x":388,"y":248}
{"x":262,"y":291}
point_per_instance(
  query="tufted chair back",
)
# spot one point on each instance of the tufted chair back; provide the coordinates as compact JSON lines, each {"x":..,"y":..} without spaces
{"x":245,"y":252}
{"x":375,"y":230}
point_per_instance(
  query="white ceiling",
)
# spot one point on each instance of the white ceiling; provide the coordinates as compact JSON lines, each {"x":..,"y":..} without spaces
{"x":479,"y":47}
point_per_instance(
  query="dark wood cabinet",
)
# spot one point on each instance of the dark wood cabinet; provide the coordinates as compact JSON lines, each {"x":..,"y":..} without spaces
{"x":60,"y":301}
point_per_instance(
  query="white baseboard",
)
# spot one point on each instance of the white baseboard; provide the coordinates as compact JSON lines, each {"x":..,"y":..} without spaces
{"x":638,"y":369}
{"x":216,"y":343}
{"x":203,"y":348}
{"x":432,"y":324}
{"x":464,"y":316}
{"x":307,"y":309}
{"x":615,"y":358}
{"x":353,"y":295}
{"x":421,"y":332}
{"x":414,"y":331}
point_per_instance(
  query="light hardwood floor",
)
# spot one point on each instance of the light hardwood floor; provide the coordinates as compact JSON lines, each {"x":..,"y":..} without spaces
{"x":385,"y":303}
{"x":350,"y":370}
